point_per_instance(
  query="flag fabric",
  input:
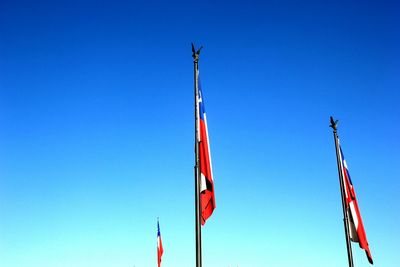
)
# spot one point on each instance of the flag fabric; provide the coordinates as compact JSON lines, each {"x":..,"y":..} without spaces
{"x":206,"y":177}
{"x":160,"y":249}
{"x":356,"y":226}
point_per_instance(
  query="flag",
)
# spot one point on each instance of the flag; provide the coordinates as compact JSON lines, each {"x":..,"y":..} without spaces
{"x":206,"y":178}
{"x":356,"y":226}
{"x":160,"y":249}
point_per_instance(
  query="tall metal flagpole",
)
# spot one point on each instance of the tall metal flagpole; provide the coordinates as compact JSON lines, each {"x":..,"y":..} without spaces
{"x":195,"y":55}
{"x":345,"y":214}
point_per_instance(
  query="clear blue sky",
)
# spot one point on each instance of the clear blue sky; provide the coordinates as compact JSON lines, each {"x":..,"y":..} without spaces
{"x":96,"y":131}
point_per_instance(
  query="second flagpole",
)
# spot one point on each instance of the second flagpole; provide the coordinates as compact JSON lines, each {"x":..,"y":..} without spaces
{"x":196,"y":167}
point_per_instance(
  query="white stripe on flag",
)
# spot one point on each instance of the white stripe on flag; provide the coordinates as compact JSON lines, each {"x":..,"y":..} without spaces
{"x":203,"y":185}
{"x":354,"y":214}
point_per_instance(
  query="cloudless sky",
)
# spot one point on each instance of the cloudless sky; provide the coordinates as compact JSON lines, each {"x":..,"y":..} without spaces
{"x":97,"y":131}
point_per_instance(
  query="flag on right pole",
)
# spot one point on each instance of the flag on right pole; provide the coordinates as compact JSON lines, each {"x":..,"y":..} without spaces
{"x":206,"y":177}
{"x":356,"y":226}
{"x":160,"y":249}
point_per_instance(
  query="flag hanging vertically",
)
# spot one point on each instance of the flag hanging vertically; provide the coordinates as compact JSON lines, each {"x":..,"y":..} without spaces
{"x":356,"y":226}
{"x":206,"y":178}
{"x":160,"y":249}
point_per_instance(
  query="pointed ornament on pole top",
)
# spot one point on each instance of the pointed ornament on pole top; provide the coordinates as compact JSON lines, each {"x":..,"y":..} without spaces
{"x":334,"y":124}
{"x":196,"y":53}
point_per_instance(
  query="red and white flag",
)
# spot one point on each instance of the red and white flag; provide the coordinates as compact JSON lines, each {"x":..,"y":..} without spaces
{"x":206,"y":177}
{"x":356,"y":226}
{"x":160,"y":249}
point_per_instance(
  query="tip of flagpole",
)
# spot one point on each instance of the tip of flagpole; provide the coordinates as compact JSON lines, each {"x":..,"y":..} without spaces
{"x":196,"y":53}
{"x":334,"y":124}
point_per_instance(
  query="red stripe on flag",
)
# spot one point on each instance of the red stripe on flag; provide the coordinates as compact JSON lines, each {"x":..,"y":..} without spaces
{"x":207,"y":189}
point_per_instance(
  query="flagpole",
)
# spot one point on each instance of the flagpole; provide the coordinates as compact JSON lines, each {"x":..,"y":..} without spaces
{"x":158,"y":227}
{"x":345,"y":214}
{"x":195,"y":56}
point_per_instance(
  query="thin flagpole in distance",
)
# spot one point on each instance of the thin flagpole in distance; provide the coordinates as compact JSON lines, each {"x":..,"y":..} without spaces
{"x":195,"y":55}
{"x":160,"y":249}
{"x":340,"y":171}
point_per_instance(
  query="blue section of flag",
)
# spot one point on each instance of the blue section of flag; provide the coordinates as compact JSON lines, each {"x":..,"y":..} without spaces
{"x":158,"y":229}
{"x":344,"y":166}
{"x":202,"y":109}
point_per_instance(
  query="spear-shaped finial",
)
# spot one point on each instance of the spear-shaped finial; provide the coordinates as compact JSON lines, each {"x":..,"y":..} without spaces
{"x":196,"y":53}
{"x":334,"y":124}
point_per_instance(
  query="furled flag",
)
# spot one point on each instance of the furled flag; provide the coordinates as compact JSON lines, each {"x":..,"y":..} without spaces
{"x":160,"y":249}
{"x":206,"y":178}
{"x":356,"y":227}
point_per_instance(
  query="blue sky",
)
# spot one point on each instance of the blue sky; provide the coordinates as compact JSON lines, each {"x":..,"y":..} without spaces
{"x":96,"y":131}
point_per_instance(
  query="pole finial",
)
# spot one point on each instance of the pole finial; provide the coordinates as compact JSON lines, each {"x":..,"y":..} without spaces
{"x":334,"y":124}
{"x":196,"y":53}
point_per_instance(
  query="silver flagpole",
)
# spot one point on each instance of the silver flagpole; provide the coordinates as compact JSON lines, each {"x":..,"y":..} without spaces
{"x":345,"y":214}
{"x":195,"y":55}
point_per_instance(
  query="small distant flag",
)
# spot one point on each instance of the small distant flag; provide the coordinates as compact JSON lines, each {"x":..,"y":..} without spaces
{"x":160,"y":249}
{"x":356,"y":227}
{"x":206,"y":177}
